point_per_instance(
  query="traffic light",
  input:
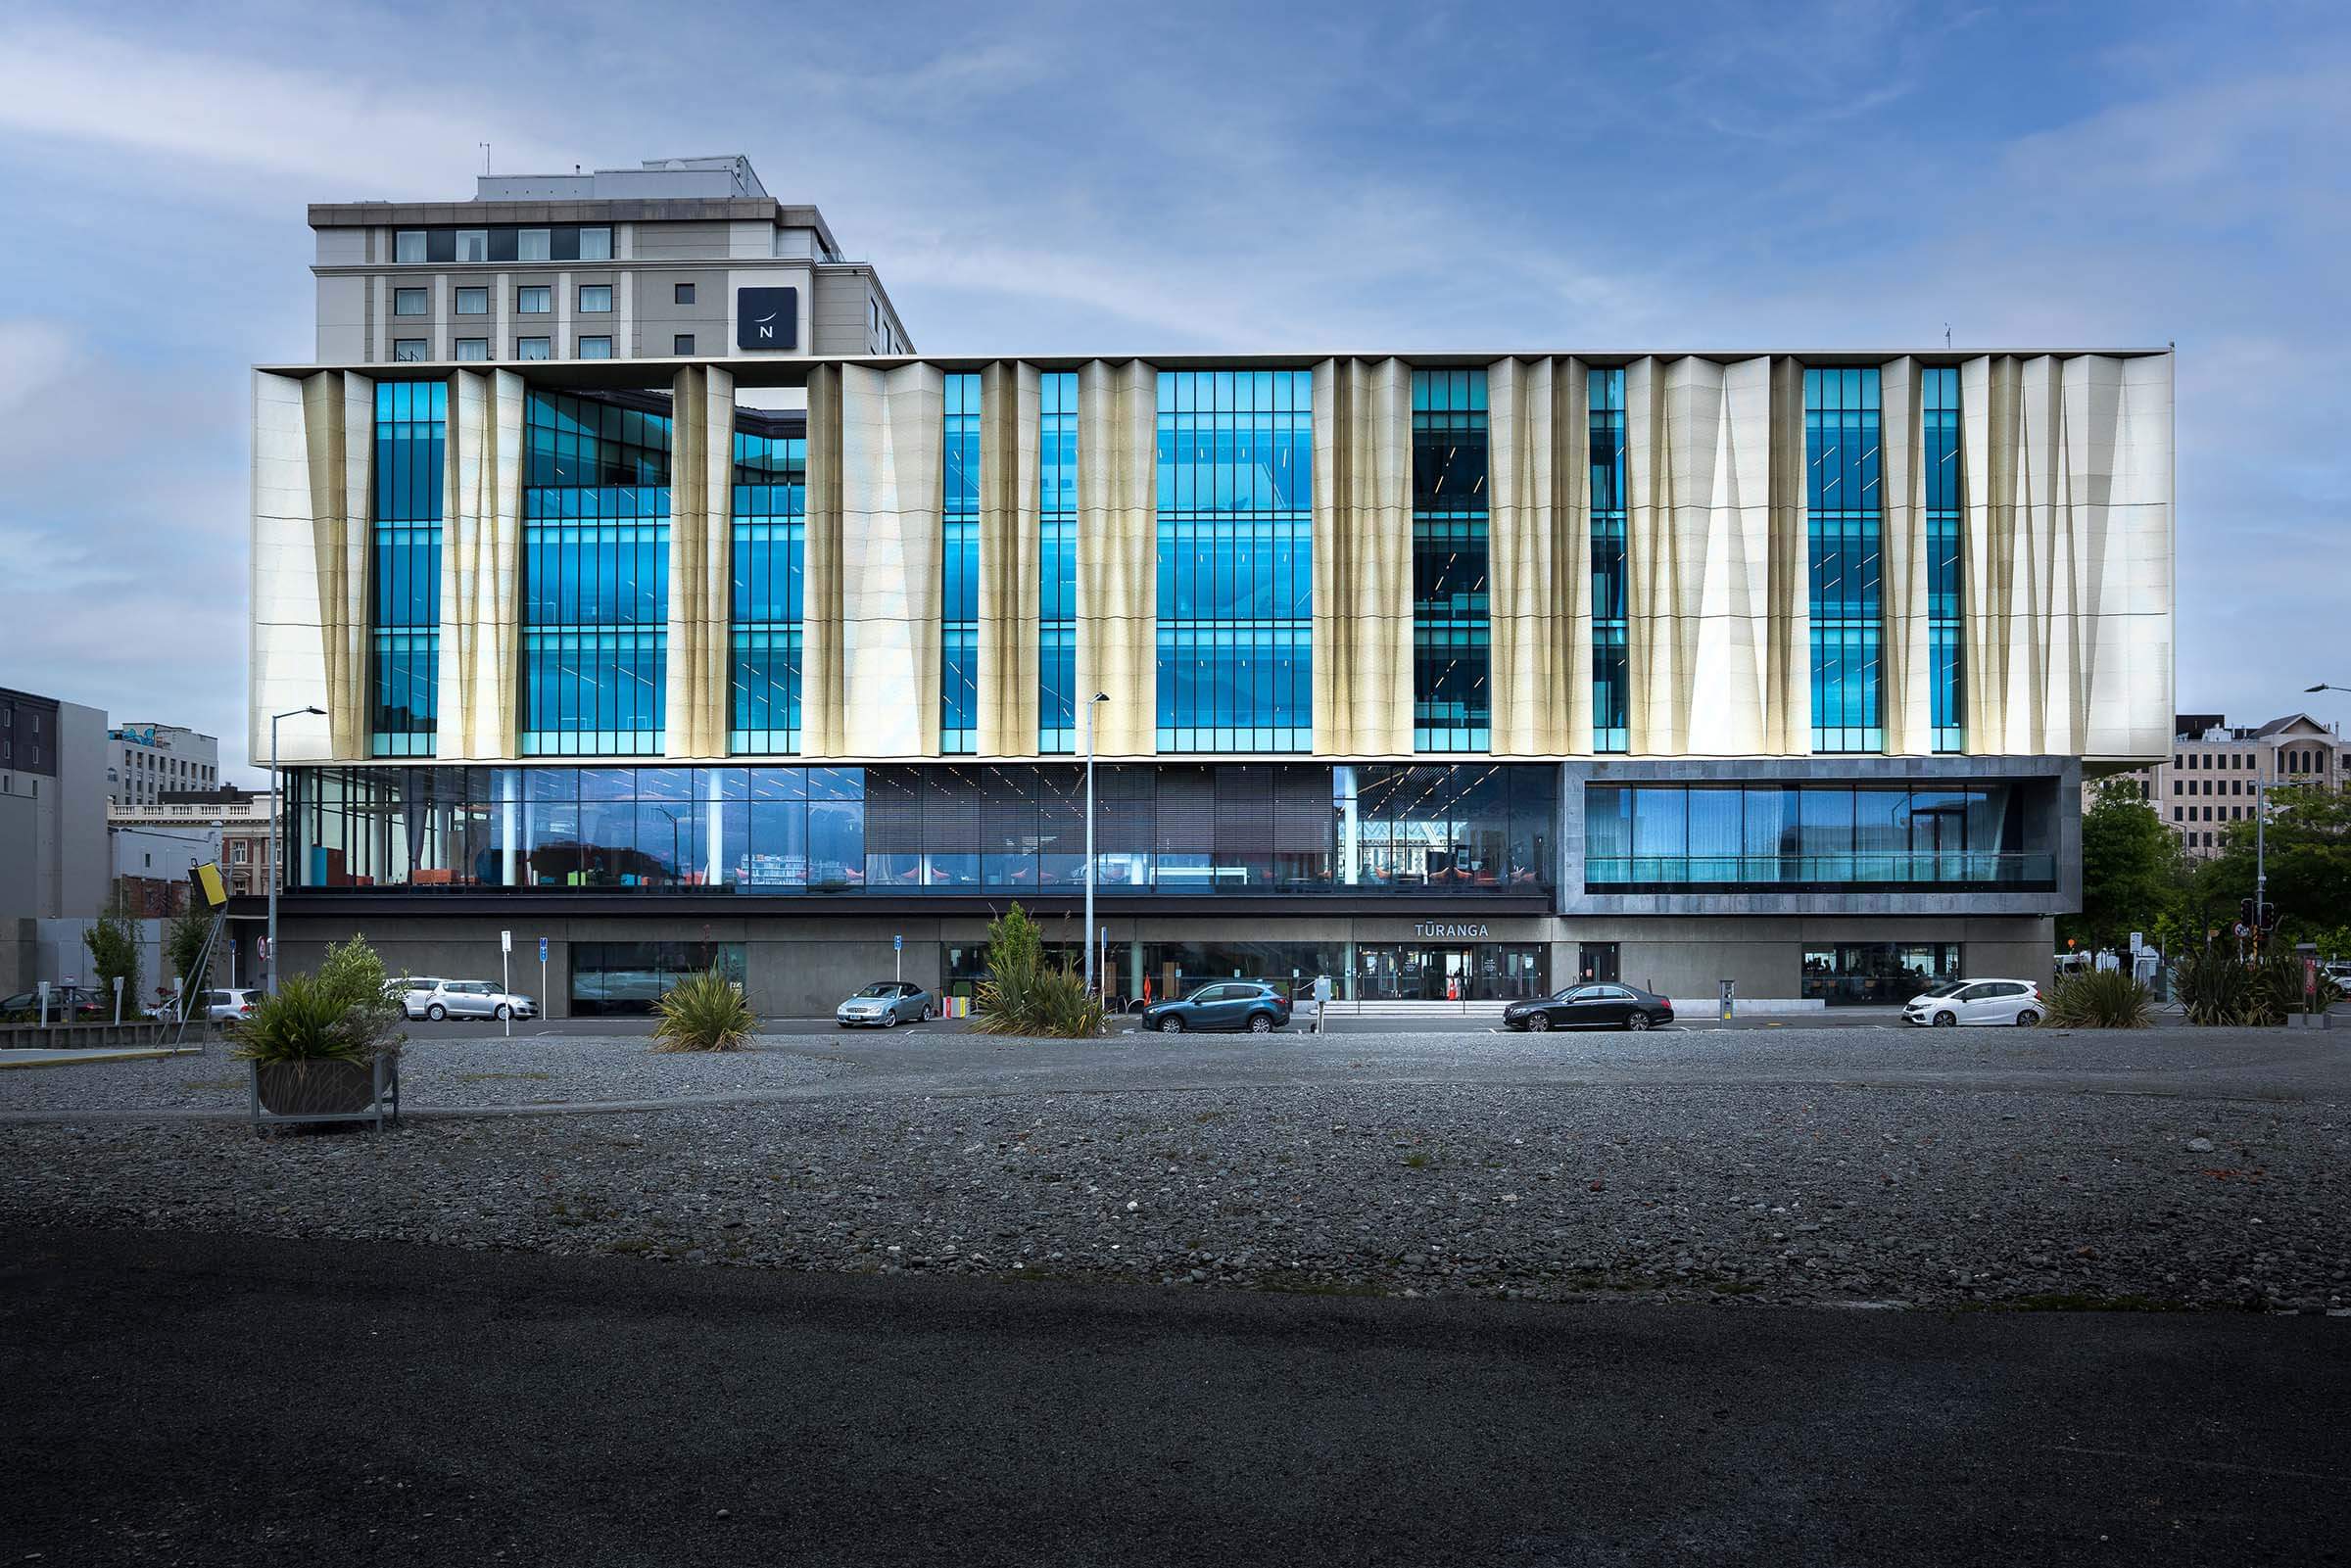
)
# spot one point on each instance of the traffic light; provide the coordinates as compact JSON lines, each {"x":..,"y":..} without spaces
{"x":2245,"y":912}
{"x":2268,"y":917}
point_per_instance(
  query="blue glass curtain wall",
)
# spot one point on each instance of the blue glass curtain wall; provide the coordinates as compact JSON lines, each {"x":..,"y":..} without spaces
{"x":1200,"y":828}
{"x":1235,"y":508}
{"x":1845,"y":525}
{"x":1057,"y":556}
{"x":1611,"y":654}
{"x":594,"y":577}
{"x":1940,"y":417}
{"x":959,"y":567}
{"x":1747,"y":835}
{"x":412,"y":429}
{"x":770,"y":546}
{"x":1451,"y":618}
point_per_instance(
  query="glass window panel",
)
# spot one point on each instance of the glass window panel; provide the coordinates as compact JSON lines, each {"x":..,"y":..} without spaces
{"x":407,"y":245}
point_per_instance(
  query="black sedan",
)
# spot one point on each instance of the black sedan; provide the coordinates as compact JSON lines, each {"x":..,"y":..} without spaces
{"x":1250,"y":1005}
{"x":1591,"y":1006}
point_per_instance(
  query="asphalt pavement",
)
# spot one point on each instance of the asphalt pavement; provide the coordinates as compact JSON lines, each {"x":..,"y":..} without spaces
{"x":213,"y":1399}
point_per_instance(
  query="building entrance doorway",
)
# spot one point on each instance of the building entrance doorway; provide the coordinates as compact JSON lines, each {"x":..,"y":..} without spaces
{"x":1482,"y":972}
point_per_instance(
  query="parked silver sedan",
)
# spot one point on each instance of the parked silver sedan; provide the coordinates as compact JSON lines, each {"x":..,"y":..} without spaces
{"x":886,"y":1004}
{"x":469,"y":999}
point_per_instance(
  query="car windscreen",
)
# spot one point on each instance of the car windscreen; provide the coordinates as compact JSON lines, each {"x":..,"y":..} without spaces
{"x":879,"y":990}
{"x":1946,"y":988}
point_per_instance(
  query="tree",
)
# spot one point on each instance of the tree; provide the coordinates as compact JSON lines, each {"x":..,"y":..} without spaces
{"x":113,"y":945}
{"x":2308,"y":860}
{"x":2132,"y":870}
{"x":183,"y":942}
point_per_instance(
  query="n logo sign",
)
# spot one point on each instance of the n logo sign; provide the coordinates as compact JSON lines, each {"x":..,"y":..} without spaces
{"x":767,"y":319}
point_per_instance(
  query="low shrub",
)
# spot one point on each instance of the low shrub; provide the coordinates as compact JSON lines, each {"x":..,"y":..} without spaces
{"x":703,"y":1012}
{"x":2108,"y":999}
{"x":1021,"y":995}
{"x":2216,"y":987}
{"x":340,"y":1013}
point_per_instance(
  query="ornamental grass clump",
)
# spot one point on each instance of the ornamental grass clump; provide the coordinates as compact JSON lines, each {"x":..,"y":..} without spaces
{"x":1022,"y":995}
{"x":2216,"y":987}
{"x":704,"y":1012}
{"x":2107,"y":999}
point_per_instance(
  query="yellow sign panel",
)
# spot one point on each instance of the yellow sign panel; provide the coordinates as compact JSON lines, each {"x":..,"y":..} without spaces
{"x":207,"y":878}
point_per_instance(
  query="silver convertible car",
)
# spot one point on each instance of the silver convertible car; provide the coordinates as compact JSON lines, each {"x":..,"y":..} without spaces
{"x":886,"y":1004}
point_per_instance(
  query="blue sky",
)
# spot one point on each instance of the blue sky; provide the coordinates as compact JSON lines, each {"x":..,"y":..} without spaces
{"x":1046,"y":178}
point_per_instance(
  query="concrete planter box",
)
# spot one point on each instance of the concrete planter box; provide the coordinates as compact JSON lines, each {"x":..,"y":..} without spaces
{"x":2309,"y":1020}
{"x":326,"y":1091}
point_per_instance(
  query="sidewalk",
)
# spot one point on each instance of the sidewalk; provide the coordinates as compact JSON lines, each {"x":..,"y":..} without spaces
{"x":95,"y":1053}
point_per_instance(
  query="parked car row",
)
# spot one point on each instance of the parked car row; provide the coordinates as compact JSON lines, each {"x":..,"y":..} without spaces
{"x":424,"y":996}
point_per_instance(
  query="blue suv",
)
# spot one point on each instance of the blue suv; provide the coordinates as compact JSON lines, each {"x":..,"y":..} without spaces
{"x":1250,"y":1005}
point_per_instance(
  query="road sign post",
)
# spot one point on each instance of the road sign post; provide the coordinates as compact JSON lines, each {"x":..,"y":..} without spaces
{"x":506,"y":980}
{"x":897,"y":959}
{"x":543,"y":1001}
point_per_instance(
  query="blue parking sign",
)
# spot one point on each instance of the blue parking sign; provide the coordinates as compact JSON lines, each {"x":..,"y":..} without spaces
{"x":542,"y":949}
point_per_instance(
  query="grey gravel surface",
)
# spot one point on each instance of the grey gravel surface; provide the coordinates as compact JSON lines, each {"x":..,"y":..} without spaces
{"x":1735,"y":1192}
{"x":438,"y":1073}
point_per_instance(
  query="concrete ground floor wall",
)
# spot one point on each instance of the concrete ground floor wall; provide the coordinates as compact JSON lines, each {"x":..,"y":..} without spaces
{"x":803,"y":962}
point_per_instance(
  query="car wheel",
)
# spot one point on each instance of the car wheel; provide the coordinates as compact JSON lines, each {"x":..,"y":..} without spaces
{"x":1635,"y":1020}
{"x":1261,"y":1024}
{"x":1170,"y":1026}
{"x":1945,"y":1019}
{"x":928,"y":1015}
{"x":889,"y":1020}
{"x":1540,"y":1022}
{"x":436,"y":1011}
{"x":502,"y":1013}
{"x":2026,"y":1017}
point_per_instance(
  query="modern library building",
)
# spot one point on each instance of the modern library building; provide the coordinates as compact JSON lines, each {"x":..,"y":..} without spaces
{"x":776,"y":646}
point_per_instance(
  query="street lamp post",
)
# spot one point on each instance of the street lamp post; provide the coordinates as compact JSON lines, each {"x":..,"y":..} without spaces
{"x":1093,"y":703}
{"x":2325,"y":687}
{"x":277,"y":857}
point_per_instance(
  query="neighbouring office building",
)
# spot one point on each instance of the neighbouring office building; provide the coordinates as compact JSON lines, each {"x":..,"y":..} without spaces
{"x":1466,"y":672}
{"x":2214,"y":773}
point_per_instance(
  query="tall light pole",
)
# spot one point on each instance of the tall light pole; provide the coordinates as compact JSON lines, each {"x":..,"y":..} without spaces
{"x":278,"y":830}
{"x":1093,"y":703}
{"x":2324,"y":687}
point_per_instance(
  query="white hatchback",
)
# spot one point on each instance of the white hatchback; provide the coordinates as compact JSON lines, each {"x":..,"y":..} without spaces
{"x":2015,"y":1002}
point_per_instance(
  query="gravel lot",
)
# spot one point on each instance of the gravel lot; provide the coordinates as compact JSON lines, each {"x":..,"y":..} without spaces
{"x":439,"y":1073}
{"x":1746,"y":1192}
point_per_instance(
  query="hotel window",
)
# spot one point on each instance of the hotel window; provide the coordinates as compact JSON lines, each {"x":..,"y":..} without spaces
{"x":407,"y":245}
{"x":1236,"y":524}
{"x":474,"y":301}
{"x":598,"y":347}
{"x":596,"y":299}
{"x":408,"y":350}
{"x":473,"y":348}
{"x":531,"y":245}
{"x":1940,"y":421}
{"x":1844,"y":524}
{"x":530,"y":348}
{"x":1612,"y":655}
{"x":1451,"y":625}
{"x":535,"y":300}
{"x":959,"y":568}
{"x":594,"y":578}
{"x":595,"y":244}
{"x":682,"y":294}
{"x":1057,"y":556}
{"x":408,"y":302}
{"x":237,"y":853}
{"x":682,"y":344}
{"x":473,"y":244}
{"x":412,"y":420}
{"x":770,"y":541}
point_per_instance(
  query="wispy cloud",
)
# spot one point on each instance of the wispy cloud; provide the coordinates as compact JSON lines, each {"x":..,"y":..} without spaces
{"x":1049,"y":177}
